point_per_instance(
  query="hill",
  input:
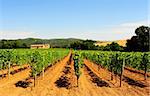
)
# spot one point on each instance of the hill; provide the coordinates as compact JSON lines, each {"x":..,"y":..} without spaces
{"x":56,"y":43}
{"x":53,"y":42}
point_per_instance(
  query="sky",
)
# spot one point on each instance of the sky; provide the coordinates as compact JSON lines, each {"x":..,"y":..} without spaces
{"x":84,"y":19}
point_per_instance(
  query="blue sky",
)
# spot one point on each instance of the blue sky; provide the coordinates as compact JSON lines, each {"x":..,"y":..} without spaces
{"x":85,"y":19}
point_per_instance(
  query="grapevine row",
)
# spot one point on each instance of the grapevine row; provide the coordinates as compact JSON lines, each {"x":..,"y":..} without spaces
{"x":115,"y":59}
{"x":37,"y":59}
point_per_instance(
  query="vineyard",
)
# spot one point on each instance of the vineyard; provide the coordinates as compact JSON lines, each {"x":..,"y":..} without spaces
{"x":116,"y":61}
{"x":64,"y":72}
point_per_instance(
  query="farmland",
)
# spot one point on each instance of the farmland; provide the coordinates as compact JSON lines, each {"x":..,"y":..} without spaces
{"x":74,"y":48}
{"x":104,"y":43}
{"x":51,"y":72}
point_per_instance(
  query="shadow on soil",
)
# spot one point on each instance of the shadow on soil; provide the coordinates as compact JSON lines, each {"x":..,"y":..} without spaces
{"x":16,"y":71}
{"x":95,"y":79}
{"x":134,"y":71}
{"x":133,"y":82}
{"x":3,"y":75}
{"x":13,"y":72}
{"x":23,"y":84}
{"x":63,"y":81}
{"x":67,"y":70}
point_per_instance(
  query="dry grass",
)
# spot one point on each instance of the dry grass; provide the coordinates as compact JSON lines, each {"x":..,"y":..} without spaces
{"x":104,"y":43}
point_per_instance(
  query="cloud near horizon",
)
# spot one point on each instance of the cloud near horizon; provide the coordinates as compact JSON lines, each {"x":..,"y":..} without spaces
{"x":123,"y":31}
{"x":16,"y":35}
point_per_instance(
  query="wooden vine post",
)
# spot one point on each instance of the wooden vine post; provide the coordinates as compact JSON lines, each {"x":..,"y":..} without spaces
{"x":98,"y":67}
{"x":43,"y":73}
{"x":122,"y":70}
{"x":145,"y":61}
{"x":111,"y":69}
{"x":43,"y":67}
{"x":113,"y":61}
{"x":34,"y":79}
{"x":145,"y":72}
{"x":8,"y":70}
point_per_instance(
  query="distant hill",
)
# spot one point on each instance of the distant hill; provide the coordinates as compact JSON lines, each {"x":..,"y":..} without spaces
{"x":53,"y":42}
{"x":104,"y":43}
{"x":59,"y":43}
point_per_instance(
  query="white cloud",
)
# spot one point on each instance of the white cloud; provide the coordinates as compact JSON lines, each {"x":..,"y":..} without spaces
{"x":16,"y":35}
{"x":121,"y":31}
{"x":117,"y":32}
{"x":125,"y":30}
{"x":135,"y":24}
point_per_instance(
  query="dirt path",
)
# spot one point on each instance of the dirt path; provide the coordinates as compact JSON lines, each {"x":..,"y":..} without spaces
{"x":136,"y":75}
{"x":137,"y":72}
{"x":44,"y":86}
{"x":94,"y":88}
{"x":7,"y":84}
{"x":4,"y":73}
{"x":130,"y":90}
{"x":105,"y":75}
{"x":92,"y":82}
{"x":86,"y":88}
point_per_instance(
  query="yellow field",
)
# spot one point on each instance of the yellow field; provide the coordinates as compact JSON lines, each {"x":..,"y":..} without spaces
{"x":104,"y":43}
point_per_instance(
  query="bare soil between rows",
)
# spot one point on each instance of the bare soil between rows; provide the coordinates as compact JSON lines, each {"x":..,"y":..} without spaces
{"x":60,"y":80}
{"x":132,"y":81}
{"x":13,"y":70}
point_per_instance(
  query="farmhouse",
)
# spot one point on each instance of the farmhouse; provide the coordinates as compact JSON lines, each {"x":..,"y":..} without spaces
{"x":40,"y":46}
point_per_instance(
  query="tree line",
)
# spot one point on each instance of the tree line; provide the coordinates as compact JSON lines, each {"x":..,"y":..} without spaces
{"x":140,"y":42}
{"x":10,"y":44}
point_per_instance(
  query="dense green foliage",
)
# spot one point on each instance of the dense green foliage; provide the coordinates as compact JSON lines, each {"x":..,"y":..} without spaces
{"x":78,"y":62}
{"x":140,"y":42}
{"x":59,"y":43}
{"x":25,"y":43}
{"x":84,"y":45}
{"x":113,"y":61}
{"x":90,"y":45}
{"x":38,"y":59}
{"x":113,"y":47}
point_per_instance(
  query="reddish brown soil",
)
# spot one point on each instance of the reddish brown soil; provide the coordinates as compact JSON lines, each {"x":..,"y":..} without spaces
{"x":7,"y":85}
{"x":43,"y":85}
{"x":137,"y":72}
{"x":4,"y":73}
{"x":92,"y":82}
{"x":136,"y":76}
{"x":131,"y":89}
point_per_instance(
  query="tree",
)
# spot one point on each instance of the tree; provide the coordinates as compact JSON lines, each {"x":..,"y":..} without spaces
{"x":24,"y":45}
{"x":84,"y":45}
{"x":113,"y":47}
{"x":140,"y":42}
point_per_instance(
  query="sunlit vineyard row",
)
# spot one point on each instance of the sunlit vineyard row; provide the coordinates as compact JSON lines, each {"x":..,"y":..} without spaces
{"x":114,"y":61}
{"x":38,"y":60}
